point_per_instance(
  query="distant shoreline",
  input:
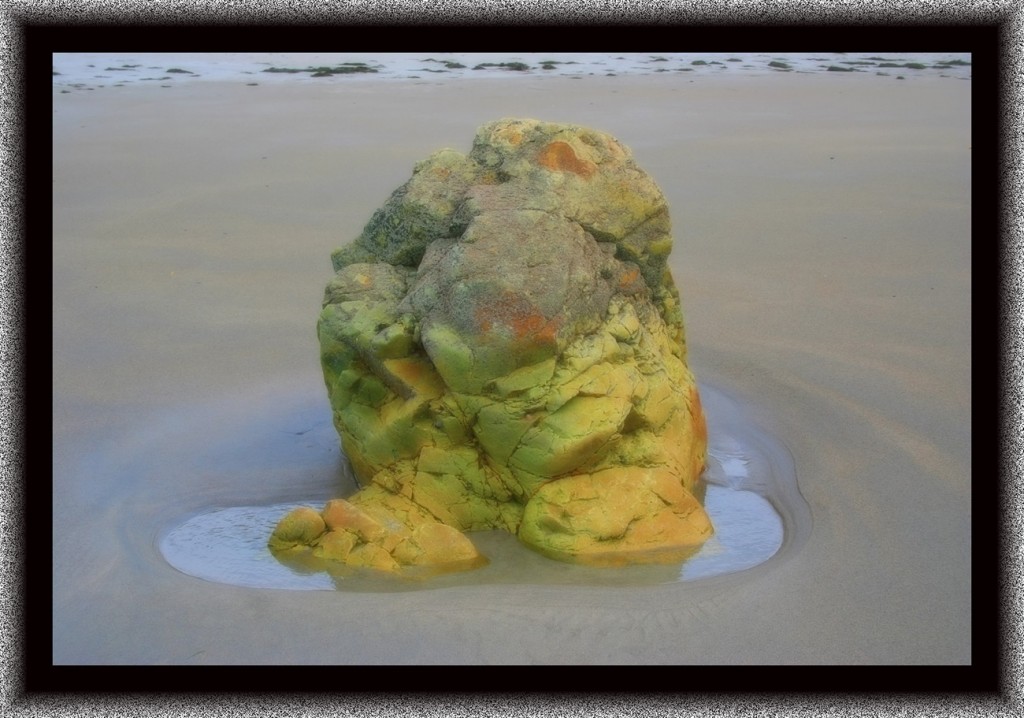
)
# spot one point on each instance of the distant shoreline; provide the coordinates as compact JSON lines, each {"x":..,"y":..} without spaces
{"x":84,"y":71}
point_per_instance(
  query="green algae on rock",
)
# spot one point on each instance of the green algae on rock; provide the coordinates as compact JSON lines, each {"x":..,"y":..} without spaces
{"x":503,"y":347}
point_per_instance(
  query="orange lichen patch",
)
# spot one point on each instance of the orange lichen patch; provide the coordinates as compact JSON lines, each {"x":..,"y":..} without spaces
{"x":560,"y":157}
{"x":501,"y":310}
{"x":700,"y":427}
{"x":533,"y":324}
{"x":628,"y":279}
{"x":364,"y":280}
{"x":416,"y":376}
{"x":516,"y":313}
{"x":442,"y":172}
{"x":340,"y":514}
{"x":510,"y":134}
{"x":411,"y":370}
{"x":548,"y":333}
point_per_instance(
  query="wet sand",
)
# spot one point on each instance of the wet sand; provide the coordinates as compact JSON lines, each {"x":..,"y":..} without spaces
{"x":822,"y":231}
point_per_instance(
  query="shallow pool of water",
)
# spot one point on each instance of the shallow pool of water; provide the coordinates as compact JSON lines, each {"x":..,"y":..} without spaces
{"x":752,"y":499}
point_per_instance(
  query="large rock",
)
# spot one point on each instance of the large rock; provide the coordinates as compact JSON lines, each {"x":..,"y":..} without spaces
{"x":503,"y":347}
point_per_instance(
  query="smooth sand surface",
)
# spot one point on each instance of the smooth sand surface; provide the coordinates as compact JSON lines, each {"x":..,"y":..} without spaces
{"x":822,"y":228}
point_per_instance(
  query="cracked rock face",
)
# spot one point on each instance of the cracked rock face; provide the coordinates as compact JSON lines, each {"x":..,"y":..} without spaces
{"x":503,"y":347}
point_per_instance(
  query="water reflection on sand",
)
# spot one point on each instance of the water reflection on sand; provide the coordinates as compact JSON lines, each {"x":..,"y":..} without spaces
{"x":752,"y":499}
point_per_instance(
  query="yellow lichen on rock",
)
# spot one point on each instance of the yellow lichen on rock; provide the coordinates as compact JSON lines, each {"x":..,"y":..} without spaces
{"x":616,"y":516}
{"x":298,"y":528}
{"x":503,"y":347}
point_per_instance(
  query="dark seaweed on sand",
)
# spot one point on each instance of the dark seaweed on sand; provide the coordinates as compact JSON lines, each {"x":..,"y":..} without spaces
{"x":345,"y":68}
{"x":450,"y":64}
{"x":517,"y":66}
{"x":911,"y":65}
{"x":550,"y":64}
{"x":780,"y":65}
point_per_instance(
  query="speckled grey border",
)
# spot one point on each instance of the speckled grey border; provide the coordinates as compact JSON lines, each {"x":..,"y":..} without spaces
{"x":12,"y":394}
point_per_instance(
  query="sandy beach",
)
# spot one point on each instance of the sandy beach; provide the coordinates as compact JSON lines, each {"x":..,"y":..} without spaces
{"x":823,"y":253}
